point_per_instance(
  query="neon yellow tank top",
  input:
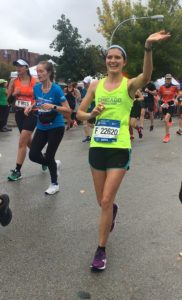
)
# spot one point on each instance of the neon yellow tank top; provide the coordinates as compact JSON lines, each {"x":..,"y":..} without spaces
{"x":112,"y":125}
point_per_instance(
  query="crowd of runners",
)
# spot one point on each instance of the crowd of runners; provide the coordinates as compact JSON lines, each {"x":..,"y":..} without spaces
{"x":110,"y":109}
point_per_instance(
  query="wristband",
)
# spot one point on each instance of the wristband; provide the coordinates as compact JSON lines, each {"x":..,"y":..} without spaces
{"x":148,"y":49}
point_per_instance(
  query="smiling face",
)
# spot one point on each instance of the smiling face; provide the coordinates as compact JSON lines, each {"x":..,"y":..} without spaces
{"x":115,"y":61}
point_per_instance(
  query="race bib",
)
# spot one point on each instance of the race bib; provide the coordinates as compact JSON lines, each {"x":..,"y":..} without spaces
{"x":165,"y":105}
{"x":22,"y":103}
{"x":106,"y":130}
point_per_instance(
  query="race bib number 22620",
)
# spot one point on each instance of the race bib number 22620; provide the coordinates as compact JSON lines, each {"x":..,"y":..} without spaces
{"x":106,"y":130}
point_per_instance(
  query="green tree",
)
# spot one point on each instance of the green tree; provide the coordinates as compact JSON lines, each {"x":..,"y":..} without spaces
{"x":5,"y":70}
{"x":132,"y":34}
{"x":43,"y":57}
{"x":77,"y":57}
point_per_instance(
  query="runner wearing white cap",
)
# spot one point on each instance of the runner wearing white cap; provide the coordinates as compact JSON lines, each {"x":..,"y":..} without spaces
{"x":21,"y":88}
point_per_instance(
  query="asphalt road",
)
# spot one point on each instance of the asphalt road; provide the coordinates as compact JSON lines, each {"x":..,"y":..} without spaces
{"x":46,"y":251}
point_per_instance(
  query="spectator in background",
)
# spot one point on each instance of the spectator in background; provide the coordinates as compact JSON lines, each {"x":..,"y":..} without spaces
{"x":87,"y":124}
{"x":4,"y":107}
{"x":77,"y":103}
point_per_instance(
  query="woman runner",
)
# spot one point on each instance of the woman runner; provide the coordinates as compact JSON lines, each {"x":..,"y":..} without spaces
{"x":51,"y":105}
{"x":110,"y":146}
{"x":22,"y":89}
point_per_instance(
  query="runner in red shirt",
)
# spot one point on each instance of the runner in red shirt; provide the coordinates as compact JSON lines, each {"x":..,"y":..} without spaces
{"x":168,"y":92}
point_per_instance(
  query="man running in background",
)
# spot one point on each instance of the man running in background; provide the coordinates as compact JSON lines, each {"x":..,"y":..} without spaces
{"x":168,"y":92}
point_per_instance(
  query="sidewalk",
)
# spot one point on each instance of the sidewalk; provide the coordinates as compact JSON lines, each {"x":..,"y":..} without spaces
{"x":11,"y":120}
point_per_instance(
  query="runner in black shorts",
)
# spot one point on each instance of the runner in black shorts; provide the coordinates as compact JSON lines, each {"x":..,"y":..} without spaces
{"x":104,"y":159}
{"x":179,"y":132}
{"x":22,"y":89}
{"x":149,"y":91}
{"x":135,"y":115}
{"x":23,"y":122}
{"x":110,"y":142}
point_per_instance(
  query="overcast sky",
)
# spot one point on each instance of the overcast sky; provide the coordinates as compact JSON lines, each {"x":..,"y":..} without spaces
{"x":29,"y":24}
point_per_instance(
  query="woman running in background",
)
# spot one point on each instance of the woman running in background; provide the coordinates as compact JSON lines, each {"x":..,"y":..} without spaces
{"x":22,"y":89}
{"x":51,"y":105}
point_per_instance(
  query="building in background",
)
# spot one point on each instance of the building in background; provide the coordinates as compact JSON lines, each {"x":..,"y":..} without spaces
{"x":9,"y":55}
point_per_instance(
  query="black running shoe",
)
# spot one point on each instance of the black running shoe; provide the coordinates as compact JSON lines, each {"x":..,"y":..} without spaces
{"x":140,"y":134}
{"x":151,"y":127}
{"x":179,"y":132}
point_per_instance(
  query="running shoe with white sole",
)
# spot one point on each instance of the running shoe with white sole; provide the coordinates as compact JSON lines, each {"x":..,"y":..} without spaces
{"x":179,"y":132}
{"x":52,"y":189}
{"x":86,"y":139}
{"x":15,"y":175}
{"x":99,"y":261}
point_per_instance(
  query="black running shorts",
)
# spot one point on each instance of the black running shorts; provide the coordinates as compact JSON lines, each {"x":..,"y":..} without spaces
{"x":180,"y":109}
{"x":109,"y":158}
{"x":135,"y":110}
{"x":25,"y":122}
{"x":170,"y":109}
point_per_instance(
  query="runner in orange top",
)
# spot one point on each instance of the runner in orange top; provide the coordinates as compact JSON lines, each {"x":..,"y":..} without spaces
{"x":168,"y":92}
{"x":25,"y":97}
{"x":22,"y":89}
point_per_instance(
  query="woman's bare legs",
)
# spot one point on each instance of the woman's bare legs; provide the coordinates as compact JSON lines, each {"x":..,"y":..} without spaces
{"x":106,"y":186}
